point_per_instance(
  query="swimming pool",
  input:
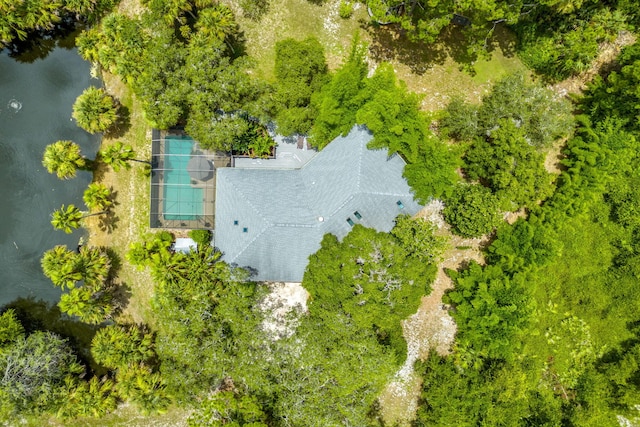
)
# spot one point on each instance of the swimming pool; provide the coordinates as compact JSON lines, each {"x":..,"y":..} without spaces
{"x":181,"y":201}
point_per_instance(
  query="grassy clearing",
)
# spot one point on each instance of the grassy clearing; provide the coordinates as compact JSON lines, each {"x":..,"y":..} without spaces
{"x":298,"y":19}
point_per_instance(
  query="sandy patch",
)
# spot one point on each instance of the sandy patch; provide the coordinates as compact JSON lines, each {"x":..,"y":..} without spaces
{"x":282,"y":307}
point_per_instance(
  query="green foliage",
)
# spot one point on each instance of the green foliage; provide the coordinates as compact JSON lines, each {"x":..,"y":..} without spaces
{"x":561,"y":43}
{"x":118,"y":156}
{"x":11,"y":329}
{"x":63,"y":158}
{"x":34,"y":371}
{"x":489,"y":396}
{"x":94,"y":398}
{"x":118,"y":44}
{"x":393,"y":114}
{"x":61,"y":266}
{"x":95,"y":110}
{"x":338,"y":101}
{"x":226,"y":408}
{"x":97,"y":197}
{"x":417,"y":237}
{"x":536,"y":110}
{"x":92,"y":301}
{"x":154,"y":246}
{"x":301,"y":71}
{"x":345,"y":10}
{"x":201,"y":237}
{"x":380,"y":280}
{"x":117,"y":346}
{"x":461,"y":120}
{"x":20,"y":20}
{"x":66,"y":219}
{"x":138,"y":384}
{"x":472,"y":211}
{"x":433,"y":173}
{"x":254,"y":9}
{"x":617,"y":96}
{"x":492,"y":311}
{"x":510,"y":166}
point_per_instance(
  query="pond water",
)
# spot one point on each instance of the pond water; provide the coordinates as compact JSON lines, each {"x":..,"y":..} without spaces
{"x":35,"y":110}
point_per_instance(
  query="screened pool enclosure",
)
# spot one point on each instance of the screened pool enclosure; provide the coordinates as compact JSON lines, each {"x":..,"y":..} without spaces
{"x":182,"y":182}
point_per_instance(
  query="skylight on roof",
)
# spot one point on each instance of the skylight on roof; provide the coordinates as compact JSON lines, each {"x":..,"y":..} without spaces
{"x":357,"y":215}
{"x":245,"y":229}
{"x":350,"y":221}
{"x":400,"y":205}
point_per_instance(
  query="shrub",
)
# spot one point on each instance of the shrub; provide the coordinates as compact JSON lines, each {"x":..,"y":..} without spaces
{"x":472,"y":211}
{"x":201,"y":237}
{"x":346,"y":9}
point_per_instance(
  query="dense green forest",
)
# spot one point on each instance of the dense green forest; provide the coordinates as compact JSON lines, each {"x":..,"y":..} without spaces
{"x":547,"y":327}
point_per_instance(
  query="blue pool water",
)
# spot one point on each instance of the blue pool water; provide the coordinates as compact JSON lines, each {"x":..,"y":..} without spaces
{"x":181,"y":200}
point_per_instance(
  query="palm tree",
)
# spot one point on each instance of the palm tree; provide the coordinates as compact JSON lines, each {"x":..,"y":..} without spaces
{"x":87,"y":304}
{"x":139,"y":384}
{"x":63,"y":158}
{"x":118,"y":156}
{"x":61,"y":266}
{"x":118,"y":346}
{"x":217,"y":21}
{"x":95,"y":110}
{"x":66,"y":219}
{"x":93,"y":398}
{"x":95,"y":265}
{"x":97,"y":197}
{"x":69,"y":218}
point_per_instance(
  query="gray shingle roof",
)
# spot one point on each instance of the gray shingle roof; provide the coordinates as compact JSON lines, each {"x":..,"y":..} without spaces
{"x":278,"y":211}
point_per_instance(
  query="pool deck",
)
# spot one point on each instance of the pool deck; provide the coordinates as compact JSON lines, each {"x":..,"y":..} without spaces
{"x":290,"y":154}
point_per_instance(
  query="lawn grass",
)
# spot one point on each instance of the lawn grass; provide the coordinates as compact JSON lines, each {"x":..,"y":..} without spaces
{"x":299,"y":19}
{"x":131,"y":211}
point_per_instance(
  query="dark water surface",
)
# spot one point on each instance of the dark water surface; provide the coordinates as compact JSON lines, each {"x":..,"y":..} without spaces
{"x":35,"y":110}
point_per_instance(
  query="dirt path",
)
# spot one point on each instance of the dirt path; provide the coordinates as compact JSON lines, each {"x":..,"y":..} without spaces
{"x":431,"y":327}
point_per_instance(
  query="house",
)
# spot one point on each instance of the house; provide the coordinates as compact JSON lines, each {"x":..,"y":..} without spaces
{"x":271,"y":220}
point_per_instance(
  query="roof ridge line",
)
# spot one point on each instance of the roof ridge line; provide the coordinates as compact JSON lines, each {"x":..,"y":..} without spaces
{"x":249,"y":203}
{"x":347,"y":200}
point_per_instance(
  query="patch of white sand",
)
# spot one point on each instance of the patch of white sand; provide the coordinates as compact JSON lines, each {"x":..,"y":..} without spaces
{"x":282,"y":308}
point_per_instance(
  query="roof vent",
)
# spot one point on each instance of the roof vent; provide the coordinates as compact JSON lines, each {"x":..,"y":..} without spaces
{"x":321,"y":218}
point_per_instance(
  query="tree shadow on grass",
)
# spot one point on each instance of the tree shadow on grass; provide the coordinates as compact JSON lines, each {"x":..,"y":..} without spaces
{"x":121,"y":294}
{"x":122,"y":124}
{"x":108,"y":221}
{"x":391,"y":43}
